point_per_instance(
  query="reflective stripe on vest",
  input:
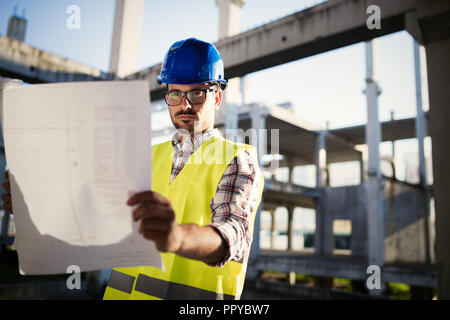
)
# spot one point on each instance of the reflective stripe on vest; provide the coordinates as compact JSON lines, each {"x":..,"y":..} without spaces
{"x":121,"y":281}
{"x":190,"y":194}
{"x":161,"y":289}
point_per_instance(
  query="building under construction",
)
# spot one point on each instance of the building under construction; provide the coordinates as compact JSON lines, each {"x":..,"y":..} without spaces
{"x":380,"y":222}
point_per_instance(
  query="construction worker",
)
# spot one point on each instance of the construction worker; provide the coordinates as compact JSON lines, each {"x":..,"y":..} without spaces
{"x":205,"y":192}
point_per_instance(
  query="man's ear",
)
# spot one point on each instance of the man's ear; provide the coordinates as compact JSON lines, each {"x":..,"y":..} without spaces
{"x":218,"y":99}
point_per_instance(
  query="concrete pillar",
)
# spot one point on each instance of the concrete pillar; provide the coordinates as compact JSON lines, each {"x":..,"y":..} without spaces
{"x":429,"y":26}
{"x":438,"y":54}
{"x":292,"y":278}
{"x":327,"y":175}
{"x":273,"y":232}
{"x":257,"y":139}
{"x":322,"y":236}
{"x":421,"y":132}
{"x":290,"y":232}
{"x":361,"y":168}
{"x":258,"y":136}
{"x":229,"y":17}
{"x":243,"y":90}
{"x":393,"y":144}
{"x":374,"y":183}
{"x":320,"y":159}
{"x":438,"y":65}
{"x":230,"y":25}
{"x":291,"y":166}
{"x":126,"y":41}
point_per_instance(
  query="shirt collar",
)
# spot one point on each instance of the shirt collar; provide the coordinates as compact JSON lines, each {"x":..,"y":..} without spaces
{"x":195,"y":141}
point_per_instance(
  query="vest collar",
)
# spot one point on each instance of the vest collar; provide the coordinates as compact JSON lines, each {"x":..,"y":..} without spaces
{"x":181,"y":138}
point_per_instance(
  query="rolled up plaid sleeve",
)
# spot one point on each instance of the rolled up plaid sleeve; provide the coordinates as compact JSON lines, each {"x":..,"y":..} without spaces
{"x":234,"y":206}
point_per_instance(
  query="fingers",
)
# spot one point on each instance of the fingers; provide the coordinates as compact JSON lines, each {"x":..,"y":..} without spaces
{"x":163,"y":241}
{"x":6,"y":184}
{"x":7,"y":205}
{"x":6,"y":197}
{"x":151,"y":235}
{"x":8,"y":208}
{"x":154,"y":225}
{"x":151,"y":210}
{"x":148,"y":196}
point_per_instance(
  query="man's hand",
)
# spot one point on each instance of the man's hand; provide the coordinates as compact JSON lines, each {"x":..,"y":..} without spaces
{"x":158,"y":223}
{"x":157,"y":220}
{"x":7,"y":204}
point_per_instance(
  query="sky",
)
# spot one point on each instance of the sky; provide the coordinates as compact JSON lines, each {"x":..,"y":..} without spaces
{"x":326,"y":88}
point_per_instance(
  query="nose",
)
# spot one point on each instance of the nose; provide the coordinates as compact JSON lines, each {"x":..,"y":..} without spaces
{"x":185,"y":103}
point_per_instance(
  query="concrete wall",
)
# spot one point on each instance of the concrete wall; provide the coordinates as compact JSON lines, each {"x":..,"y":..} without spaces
{"x":404,"y":240}
{"x":404,"y":229}
{"x":347,"y":202}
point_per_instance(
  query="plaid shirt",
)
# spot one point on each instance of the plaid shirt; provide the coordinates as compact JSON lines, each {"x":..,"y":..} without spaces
{"x":236,"y":197}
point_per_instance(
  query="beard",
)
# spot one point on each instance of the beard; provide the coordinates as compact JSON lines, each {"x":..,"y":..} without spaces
{"x":184,"y":124}
{"x":191,"y":125}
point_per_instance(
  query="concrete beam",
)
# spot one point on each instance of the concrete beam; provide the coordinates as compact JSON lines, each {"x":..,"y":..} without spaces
{"x":277,"y":193}
{"x":390,"y":131}
{"x":21,"y":61}
{"x":327,"y":26}
{"x":344,"y":267}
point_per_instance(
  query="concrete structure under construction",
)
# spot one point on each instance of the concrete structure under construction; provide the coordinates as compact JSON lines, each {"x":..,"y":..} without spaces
{"x":335,"y":24}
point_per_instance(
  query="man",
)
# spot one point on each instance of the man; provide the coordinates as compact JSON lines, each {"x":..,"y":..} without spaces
{"x":206,"y":191}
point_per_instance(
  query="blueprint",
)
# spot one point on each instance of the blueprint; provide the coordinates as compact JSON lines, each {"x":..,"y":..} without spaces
{"x":75,"y":153}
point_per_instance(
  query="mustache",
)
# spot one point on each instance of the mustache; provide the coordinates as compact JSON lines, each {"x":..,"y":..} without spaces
{"x":187,"y":113}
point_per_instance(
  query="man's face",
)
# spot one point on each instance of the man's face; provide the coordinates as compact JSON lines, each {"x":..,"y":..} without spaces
{"x":195,"y":117}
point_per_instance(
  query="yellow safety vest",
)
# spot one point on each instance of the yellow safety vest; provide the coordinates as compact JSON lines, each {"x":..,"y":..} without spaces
{"x":190,"y":194}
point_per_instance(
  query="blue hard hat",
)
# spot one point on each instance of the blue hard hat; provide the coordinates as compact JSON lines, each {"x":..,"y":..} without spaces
{"x":192,"y":61}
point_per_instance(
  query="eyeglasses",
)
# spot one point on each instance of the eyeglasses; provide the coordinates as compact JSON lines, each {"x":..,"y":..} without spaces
{"x":195,"y":96}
